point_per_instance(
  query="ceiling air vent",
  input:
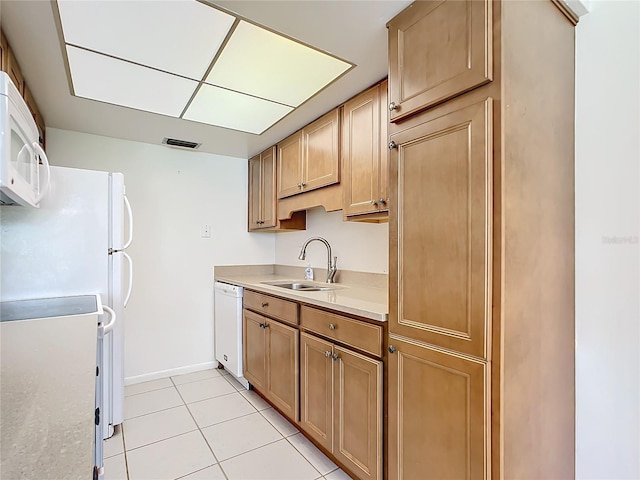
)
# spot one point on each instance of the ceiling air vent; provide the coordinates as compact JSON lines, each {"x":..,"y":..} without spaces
{"x":174,"y":142}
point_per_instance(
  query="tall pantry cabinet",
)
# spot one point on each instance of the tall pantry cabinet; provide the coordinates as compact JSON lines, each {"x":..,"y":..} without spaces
{"x":481,"y":222}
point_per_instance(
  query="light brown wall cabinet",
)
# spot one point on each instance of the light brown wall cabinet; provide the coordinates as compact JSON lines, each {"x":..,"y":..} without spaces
{"x":271,"y":360}
{"x":3,"y":51}
{"x":309,"y":159}
{"x":9,"y":64}
{"x":438,"y":49}
{"x":13,"y":69}
{"x":262,"y":200}
{"x":364,"y":154}
{"x":262,"y":196}
{"x":481,"y":275}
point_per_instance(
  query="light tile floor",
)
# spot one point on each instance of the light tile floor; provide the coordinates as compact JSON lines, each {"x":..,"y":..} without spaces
{"x":206,"y":426}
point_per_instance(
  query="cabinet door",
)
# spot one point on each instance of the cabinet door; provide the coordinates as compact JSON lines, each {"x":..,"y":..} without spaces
{"x":383,"y":204}
{"x":254,"y":353}
{"x":440,"y":265}
{"x":290,"y":165}
{"x":438,"y":49}
{"x":321,"y":156}
{"x":282,"y":370}
{"x":361,"y":153}
{"x":438,"y":415}
{"x":3,"y":52}
{"x":358,"y":413}
{"x":14,"y":71}
{"x":316,"y":389}
{"x":255,"y":193}
{"x":268,"y":174}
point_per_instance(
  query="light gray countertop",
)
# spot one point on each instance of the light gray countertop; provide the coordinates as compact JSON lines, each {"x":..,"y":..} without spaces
{"x":355,"y":299}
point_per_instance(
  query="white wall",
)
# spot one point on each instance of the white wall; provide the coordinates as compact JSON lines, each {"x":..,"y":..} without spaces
{"x":362,"y":247}
{"x":169,"y":320}
{"x":607,"y":285}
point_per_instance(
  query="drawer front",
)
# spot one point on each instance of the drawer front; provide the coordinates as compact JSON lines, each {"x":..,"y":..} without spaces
{"x":271,"y":306}
{"x":361,"y":335}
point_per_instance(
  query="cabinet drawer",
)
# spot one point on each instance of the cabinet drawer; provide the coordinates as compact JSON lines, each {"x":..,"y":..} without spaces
{"x":361,"y":335}
{"x":271,"y":306}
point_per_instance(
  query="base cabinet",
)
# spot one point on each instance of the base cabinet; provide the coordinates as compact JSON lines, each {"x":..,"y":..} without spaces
{"x":341,"y":404}
{"x":271,"y":361}
{"x":438,"y":414}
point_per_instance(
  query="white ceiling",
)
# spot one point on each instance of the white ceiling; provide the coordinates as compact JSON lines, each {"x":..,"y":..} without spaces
{"x":353,"y":30}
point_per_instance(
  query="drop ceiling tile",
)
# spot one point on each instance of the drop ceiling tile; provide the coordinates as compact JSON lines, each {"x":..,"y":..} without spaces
{"x":224,"y":108}
{"x":109,"y":80}
{"x":178,"y":36}
{"x":267,"y":65}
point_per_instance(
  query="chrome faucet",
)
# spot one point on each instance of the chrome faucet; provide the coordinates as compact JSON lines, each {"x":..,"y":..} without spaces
{"x":331,"y":267}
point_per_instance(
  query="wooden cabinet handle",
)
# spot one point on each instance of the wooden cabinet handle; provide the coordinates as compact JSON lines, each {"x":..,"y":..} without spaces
{"x":327,"y":353}
{"x":335,"y":357}
{"x":392,"y":349}
{"x":265,"y":304}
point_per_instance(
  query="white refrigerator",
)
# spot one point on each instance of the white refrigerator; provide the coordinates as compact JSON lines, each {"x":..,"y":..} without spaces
{"x":74,"y":244}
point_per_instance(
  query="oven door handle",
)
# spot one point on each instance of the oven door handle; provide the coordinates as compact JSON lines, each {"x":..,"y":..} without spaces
{"x":109,"y":326}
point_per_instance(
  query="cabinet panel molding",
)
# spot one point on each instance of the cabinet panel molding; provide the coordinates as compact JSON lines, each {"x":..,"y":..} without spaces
{"x":439,"y":414}
{"x":254,"y":350}
{"x":437,"y":50}
{"x":282,"y":374}
{"x":274,"y":307}
{"x":316,"y":389}
{"x":290,"y":165}
{"x":358,"y":413}
{"x":443,"y":169}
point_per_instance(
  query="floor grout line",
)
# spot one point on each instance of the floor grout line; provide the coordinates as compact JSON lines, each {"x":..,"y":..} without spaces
{"x":161,"y":440}
{"x":225,"y":421}
{"x":196,"y":471}
{"x":155,"y":411}
{"x":147,"y":391}
{"x":305,"y":457}
{"x":202,"y":434}
{"x":124,"y":447}
{"x":194,"y":381}
{"x":199,"y":428}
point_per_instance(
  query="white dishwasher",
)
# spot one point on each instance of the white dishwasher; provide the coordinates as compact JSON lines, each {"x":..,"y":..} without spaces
{"x":228,"y":329}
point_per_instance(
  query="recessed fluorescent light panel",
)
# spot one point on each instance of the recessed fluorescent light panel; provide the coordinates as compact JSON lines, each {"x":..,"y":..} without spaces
{"x":186,"y":59}
{"x":288,"y":72}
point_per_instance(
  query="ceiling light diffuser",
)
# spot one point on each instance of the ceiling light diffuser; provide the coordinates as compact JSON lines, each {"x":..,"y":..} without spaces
{"x":154,"y":55}
{"x":262,"y":63}
{"x":177,"y":36}
{"x":217,"y":106}
{"x":109,"y":80}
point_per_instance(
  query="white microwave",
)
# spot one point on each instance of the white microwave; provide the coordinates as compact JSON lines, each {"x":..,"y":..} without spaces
{"x":20,"y":152}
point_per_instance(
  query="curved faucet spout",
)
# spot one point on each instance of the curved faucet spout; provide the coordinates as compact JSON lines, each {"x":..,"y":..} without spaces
{"x":331,"y":266}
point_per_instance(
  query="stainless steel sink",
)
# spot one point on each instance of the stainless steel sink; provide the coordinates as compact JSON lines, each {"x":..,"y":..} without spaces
{"x":302,"y":286}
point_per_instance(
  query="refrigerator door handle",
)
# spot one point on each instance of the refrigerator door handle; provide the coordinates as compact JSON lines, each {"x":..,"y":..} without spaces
{"x":45,"y":162}
{"x":130,"y":215}
{"x":109,"y":326}
{"x":128,"y":296}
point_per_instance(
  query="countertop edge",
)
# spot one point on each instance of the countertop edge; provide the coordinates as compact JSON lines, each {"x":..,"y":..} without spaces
{"x":304,"y":297}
